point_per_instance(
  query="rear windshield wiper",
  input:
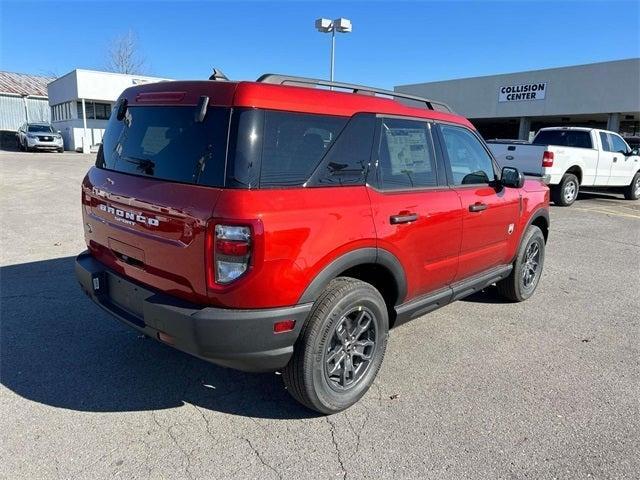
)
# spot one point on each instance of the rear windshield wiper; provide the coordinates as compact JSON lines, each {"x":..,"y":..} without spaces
{"x":145,"y":165}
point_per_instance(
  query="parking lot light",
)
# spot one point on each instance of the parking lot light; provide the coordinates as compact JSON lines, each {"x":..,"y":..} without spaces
{"x":341,"y":25}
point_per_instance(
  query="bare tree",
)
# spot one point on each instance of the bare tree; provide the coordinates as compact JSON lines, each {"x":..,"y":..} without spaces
{"x":123,"y":55}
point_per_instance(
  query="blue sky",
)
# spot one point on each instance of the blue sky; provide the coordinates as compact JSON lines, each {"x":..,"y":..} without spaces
{"x":392,"y":42}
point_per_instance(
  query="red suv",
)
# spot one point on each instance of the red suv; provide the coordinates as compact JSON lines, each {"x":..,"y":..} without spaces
{"x":276,"y":225}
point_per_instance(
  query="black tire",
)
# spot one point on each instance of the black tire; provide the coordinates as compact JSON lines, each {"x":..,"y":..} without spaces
{"x":310,"y":376}
{"x":632,"y":192}
{"x":516,"y":287}
{"x":567,"y":191}
{"x":61,"y":150}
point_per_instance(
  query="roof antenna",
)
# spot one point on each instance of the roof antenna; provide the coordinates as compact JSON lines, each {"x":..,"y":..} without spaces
{"x":218,"y":75}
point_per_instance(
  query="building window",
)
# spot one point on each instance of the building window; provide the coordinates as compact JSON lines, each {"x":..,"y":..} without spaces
{"x":95,"y":110}
{"x":61,"y":111}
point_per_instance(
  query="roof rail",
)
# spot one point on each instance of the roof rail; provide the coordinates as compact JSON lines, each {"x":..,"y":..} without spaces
{"x":303,"y":81}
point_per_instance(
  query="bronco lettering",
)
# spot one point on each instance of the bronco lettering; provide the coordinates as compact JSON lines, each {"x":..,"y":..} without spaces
{"x":116,"y":212}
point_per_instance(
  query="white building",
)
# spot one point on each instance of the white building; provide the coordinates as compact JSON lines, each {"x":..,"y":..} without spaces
{"x":23,"y":98}
{"x":81,"y":102}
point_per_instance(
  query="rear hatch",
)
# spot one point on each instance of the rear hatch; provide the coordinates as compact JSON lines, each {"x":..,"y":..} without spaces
{"x":157,"y":179}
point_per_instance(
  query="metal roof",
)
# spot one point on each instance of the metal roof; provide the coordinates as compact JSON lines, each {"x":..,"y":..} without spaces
{"x":23,"y":84}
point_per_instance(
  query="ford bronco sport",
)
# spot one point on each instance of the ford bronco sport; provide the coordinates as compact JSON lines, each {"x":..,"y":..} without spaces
{"x":280,"y":225}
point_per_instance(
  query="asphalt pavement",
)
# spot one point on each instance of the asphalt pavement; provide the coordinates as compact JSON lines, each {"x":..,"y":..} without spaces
{"x":549,"y":388}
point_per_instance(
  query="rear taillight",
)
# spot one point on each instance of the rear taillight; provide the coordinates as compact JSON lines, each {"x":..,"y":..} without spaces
{"x":547,"y":159}
{"x":228,"y":253}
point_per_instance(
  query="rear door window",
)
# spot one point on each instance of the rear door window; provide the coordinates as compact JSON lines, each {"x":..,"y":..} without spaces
{"x":564,"y":138}
{"x":167,"y":143}
{"x":406,"y":157}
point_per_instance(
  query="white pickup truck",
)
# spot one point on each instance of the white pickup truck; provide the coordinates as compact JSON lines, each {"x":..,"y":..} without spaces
{"x":569,"y":158}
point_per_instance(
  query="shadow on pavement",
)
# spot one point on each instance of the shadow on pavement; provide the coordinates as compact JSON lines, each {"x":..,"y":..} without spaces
{"x":587,"y":195}
{"x":59,"y":349}
{"x":488,"y":295}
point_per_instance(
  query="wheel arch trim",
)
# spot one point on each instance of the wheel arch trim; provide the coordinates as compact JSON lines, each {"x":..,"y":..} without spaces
{"x":541,"y":212}
{"x":352,"y":259}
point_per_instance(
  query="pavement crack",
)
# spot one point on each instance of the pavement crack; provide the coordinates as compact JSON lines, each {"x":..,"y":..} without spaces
{"x":206,"y":421}
{"x":178,"y":445}
{"x":261,"y":458}
{"x":332,"y":430}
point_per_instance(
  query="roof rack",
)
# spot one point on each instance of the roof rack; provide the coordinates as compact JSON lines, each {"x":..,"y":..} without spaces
{"x":303,"y":81}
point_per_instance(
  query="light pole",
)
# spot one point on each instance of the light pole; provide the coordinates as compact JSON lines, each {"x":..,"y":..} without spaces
{"x":341,"y":25}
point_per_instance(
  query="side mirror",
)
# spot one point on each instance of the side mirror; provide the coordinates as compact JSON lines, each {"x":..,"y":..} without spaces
{"x":511,"y":177}
{"x":58,"y":132}
{"x":633,"y":152}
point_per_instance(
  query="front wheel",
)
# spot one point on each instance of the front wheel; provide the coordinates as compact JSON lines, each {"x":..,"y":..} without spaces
{"x":567,"y":192}
{"x":341,"y":347}
{"x":632,"y":192}
{"x":527,"y":269}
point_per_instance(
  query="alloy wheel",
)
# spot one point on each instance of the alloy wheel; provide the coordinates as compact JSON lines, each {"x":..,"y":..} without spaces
{"x":351,"y":348}
{"x":531,"y":265}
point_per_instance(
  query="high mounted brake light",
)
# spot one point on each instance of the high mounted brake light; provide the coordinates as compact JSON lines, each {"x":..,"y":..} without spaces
{"x":228,"y":249}
{"x":547,"y":159}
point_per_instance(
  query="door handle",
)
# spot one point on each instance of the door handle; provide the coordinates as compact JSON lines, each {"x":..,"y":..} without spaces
{"x":477,"y":207}
{"x":615,"y":159}
{"x":403,"y":218}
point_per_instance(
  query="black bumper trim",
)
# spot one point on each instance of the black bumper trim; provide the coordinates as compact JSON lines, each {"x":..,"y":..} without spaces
{"x":240,"y":339}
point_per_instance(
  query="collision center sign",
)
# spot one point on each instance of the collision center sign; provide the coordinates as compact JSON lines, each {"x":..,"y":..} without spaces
{"x":526,"y":91}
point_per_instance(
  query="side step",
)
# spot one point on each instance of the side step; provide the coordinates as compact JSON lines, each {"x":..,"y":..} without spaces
{"x":432,"y":301}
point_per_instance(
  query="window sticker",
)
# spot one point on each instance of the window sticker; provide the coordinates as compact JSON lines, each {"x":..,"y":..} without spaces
{"x":408,"y":150}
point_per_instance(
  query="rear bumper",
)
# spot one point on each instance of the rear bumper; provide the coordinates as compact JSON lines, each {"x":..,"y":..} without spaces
{"x":240,"y":339}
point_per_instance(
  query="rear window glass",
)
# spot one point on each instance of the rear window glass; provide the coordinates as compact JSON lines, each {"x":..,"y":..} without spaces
{"x":167,"y":143}
{"x":564,"y":138}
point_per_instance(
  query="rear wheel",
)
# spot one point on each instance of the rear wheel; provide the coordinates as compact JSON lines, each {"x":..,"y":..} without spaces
{"x":341,"y":347}
{"x":567,"y":192}
{"x":632,"y":192}
{"x":527,"y":269}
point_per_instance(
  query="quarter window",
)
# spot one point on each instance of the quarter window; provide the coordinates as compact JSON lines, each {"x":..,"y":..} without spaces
{"x":347,"y":162}
{"x":293,"y":145}
{"x":405,"y":155}
{"x":469,"y":161}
